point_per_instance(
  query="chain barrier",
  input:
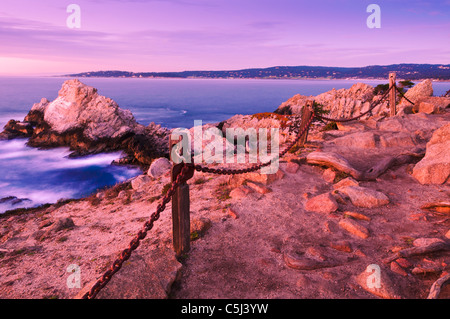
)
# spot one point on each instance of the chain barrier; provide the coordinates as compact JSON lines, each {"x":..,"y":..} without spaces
{"x":225,"y":171}
{"x":403,"y":95}
{"x":134,"y":244}
{"x":185,"y":174}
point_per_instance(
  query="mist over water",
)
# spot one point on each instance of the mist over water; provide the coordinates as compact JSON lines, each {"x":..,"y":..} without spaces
{"x":32,"y":177}
{"x":39,"y":177}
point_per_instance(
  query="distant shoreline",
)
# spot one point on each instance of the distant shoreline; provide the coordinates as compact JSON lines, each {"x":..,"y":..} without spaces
{"x":413,"y":72}
{"x":263,"y":79}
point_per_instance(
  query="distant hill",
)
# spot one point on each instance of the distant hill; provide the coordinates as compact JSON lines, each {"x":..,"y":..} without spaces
{"x":404,"y":71}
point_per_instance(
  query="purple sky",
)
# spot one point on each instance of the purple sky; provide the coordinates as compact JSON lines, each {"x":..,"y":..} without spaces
{"x":178,"y":35}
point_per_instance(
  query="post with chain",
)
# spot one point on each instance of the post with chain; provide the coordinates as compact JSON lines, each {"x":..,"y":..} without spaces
{"x":307,"y":112}
{"x":180,"y":211}
{"x":392,"y":93}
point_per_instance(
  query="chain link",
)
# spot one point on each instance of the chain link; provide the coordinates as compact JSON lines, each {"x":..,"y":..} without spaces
{"x":403,"y":95}
{"x":254,"y":168}
{"x":186,"y":171}
{"x":135,"y":242}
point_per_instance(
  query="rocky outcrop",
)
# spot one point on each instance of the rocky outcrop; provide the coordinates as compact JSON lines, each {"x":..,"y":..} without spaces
{"x":347,"y":103}
{"x":420,"y":91}
{"x":341,"y":103}
{"x":434,"y":168}
{"x":424,"y":101}
{"x":89,"y":123}
{"x":286,"y":125}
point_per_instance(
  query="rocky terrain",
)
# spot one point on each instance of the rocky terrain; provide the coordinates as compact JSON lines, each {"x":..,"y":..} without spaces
{"x":369,"y":192}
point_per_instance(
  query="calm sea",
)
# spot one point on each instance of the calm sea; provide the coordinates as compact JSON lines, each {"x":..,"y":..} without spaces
{"x":45,"y":176}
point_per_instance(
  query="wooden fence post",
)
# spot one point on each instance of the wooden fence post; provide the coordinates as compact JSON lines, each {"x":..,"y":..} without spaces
{"x":181,"y":223}
{"x":306,"y":116}
{"x":392,"y":93}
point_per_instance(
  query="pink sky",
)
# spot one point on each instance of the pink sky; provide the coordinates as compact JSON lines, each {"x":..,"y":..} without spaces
{"x":178,"y":35}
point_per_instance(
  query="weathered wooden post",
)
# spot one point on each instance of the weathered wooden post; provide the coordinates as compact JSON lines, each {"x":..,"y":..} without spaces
{"x":392,"y":93}
{"x":307,"y":112}
{"x":181,"y":227}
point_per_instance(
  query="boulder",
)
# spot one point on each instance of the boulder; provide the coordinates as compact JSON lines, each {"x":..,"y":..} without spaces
{"x":140,"y":181}
{"x":240,"y":192}
{"x":329,"y":175}
{"x":434,"y":168}
{"x":346,"y":182}
{"x":364,"y":197}
{"x":357,"y":140}
{"x":159,"y":167}
{"x":419,"y":92}
{"x":428,"y":108}
{"x":15,"y":129}
{"x":324,"y":203}
{"x":80,"y":106}
{"x":354,"y":228}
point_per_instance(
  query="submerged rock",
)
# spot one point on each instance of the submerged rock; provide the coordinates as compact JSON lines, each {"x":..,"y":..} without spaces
{"x":13,"y":200}
{"x":434,"y":168}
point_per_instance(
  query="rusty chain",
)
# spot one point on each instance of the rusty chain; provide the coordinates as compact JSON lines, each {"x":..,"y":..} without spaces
{"x":403,"y":95}
{"x":134,"y":244}
{"x":183,"y":176}
{"x":225,"y":171}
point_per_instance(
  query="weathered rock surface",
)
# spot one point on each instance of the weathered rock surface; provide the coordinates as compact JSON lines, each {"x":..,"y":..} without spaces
{"x":354,"y":228}
{"x":347,"y":103}
{"x":324,"y":203}
{"x":243,"y":249}
{"x":364,"y":197}
{"x":420,"y":91}
{"x":140,"y":181}
{"x":378,"y":283}
{"x":434,"y":168}
{"x":343,"y":103}
{"x":144,"y":278}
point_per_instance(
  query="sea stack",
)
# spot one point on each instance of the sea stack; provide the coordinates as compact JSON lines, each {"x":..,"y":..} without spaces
{"x":88,"y":123}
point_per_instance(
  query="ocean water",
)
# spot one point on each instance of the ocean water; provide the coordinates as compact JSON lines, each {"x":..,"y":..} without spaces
{"x":38,"y":176}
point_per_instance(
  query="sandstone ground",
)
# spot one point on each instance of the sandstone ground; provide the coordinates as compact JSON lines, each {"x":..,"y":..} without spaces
{"x":251,"y":241}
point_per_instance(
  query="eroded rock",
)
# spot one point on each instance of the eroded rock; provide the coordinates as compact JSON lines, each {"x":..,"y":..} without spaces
{"x":434,"y":168}
{"x":364,"y":197}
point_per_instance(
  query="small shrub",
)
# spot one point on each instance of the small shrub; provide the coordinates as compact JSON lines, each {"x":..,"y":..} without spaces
{"x":166,"y":188}
{"x":223,"y":192}
{"x":200,"y":181}
{"x":94,"y":200}
{"x":406,"y":84}
{"x":330,"y":127}
{"x":340,"y":176}
{"x":381,"y":89}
